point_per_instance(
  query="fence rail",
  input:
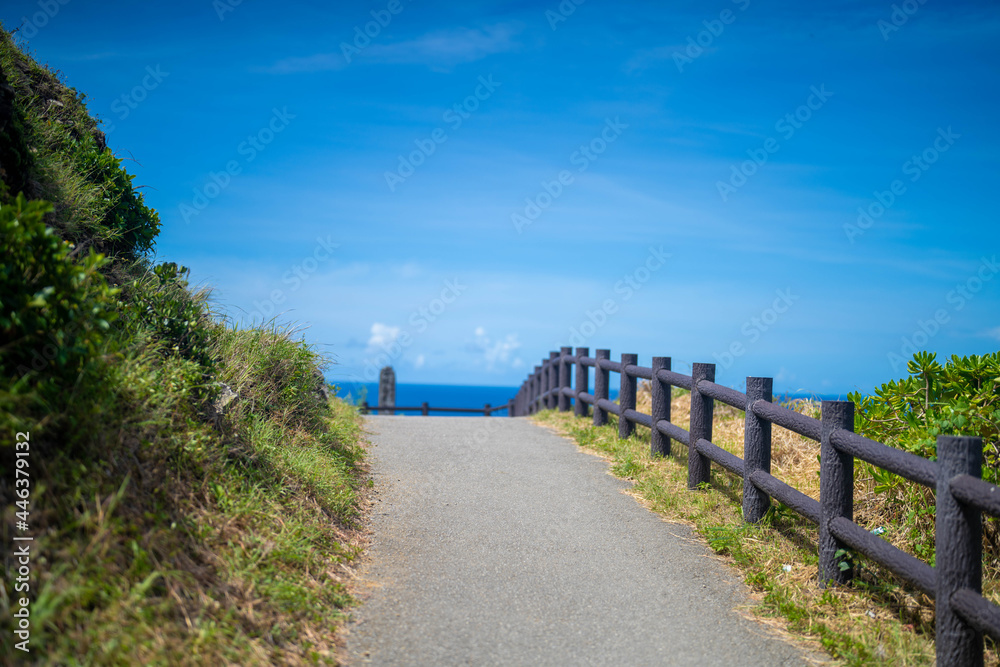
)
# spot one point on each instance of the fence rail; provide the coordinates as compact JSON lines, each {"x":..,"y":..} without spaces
{"x":425,"y":409}
{"x":963,"y":615}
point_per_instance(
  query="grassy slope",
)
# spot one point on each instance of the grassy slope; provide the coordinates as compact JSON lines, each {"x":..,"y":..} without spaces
{"x":165,"y":533}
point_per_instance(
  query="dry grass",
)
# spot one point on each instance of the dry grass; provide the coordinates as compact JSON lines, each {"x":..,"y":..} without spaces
{"x":793,"y":457}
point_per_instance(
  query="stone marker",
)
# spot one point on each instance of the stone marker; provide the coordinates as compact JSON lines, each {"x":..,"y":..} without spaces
{"x":387,"y":389}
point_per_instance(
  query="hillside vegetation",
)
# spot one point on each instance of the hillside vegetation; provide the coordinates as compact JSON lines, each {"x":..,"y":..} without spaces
{"x":189,"y":488}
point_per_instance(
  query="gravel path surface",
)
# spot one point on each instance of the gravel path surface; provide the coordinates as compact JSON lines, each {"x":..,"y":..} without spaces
{"x":497,"y":542}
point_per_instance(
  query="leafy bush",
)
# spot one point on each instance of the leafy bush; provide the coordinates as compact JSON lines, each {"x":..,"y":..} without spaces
{"x":960,"y":398}
{"x":133,"y":224}
{"x":54,"y":312}
{"x":159,"y":305}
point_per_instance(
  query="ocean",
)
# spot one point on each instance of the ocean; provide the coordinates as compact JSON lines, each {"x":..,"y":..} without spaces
{"x":435,"y":395}
{"x":464,"y":396}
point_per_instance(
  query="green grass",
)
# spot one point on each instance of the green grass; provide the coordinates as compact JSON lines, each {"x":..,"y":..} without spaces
{"x":161,"y":539}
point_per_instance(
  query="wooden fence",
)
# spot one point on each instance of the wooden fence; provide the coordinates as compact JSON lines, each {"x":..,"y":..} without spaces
{"x":425,"y":409}
{"x":962,"y":614}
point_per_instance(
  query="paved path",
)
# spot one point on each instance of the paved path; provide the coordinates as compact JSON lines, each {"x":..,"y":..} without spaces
{"x":497,"y":542}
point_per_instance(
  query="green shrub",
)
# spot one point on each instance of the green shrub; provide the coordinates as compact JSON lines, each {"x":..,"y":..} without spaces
{"x":960,"y":398}
{"x":54,"y":312}
{"x":158,"y":305}
{"x":133,"y":225}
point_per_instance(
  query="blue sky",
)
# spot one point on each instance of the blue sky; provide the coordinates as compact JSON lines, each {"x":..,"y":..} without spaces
{"x":792,"y":190}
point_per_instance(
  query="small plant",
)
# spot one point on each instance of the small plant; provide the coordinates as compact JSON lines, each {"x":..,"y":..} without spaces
{"x":726,"y":539}
{"x":845,"y":559}
{"x":777,"y":514}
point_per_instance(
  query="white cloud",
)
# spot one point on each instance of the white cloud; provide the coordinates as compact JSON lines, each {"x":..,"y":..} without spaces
{"x":409,"y":270}
{"x":459,"y":45}
{"x":382,"y":336}
{"x":994,"y":333}
{"x":496,"y":352}
{"x":419,"y":361}
{"x":319,"y":62}
{"x":440,"y":49}
{"x":784,"y":375}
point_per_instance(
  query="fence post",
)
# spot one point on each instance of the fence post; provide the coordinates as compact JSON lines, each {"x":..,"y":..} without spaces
{"x":659,"y":444}
{"x":582,"y":383}
{"x":836,"y":490}
{"x":564,"y":378}
{"x":387,"y":390}
{"x":424,"y":409}
{"x":364,"y":407}
{"x":543,"y":402}
{"x":702,"y":407}
{"x":510,"y":408}
{"x":756,"y":450}
{"x":958,"y":547}
{"x":543,"y":383}
{"x":626,"y":396}
{"x":600,"y":387}
{"x":553,"y":401}
{"x":536,"y":389}
{"x":486,"y":410}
